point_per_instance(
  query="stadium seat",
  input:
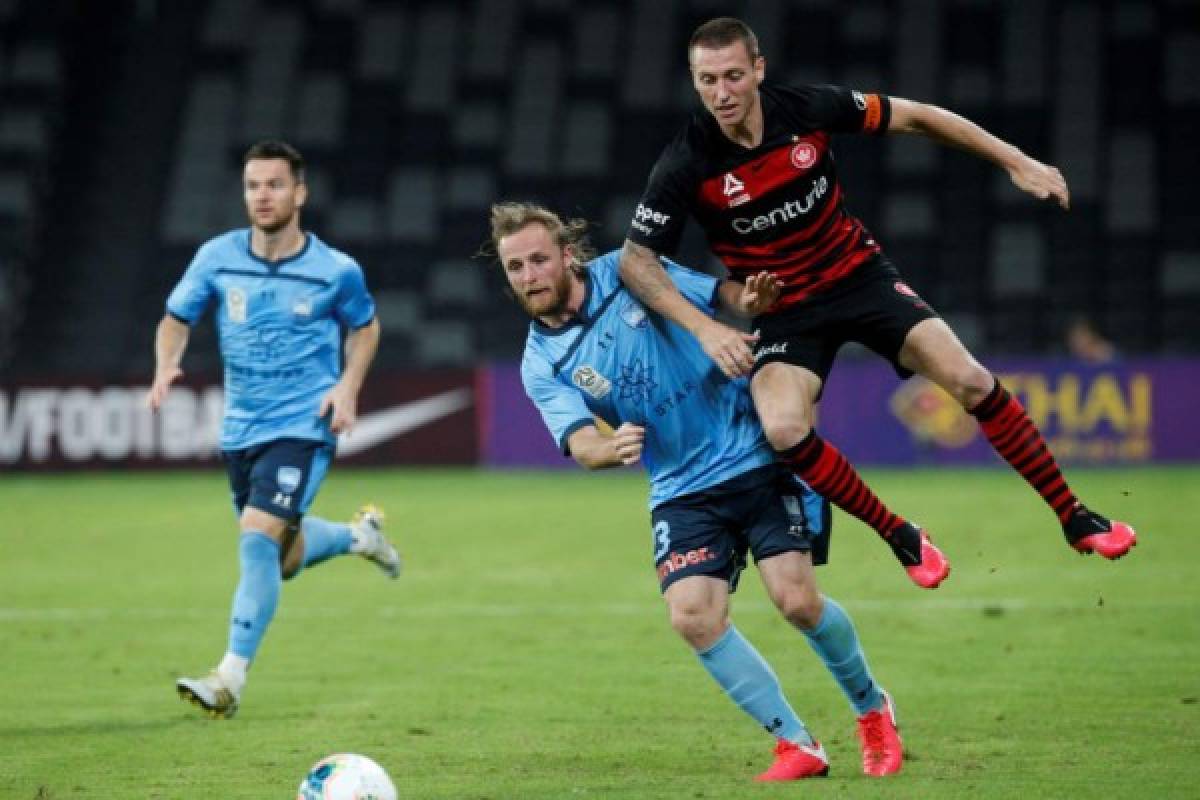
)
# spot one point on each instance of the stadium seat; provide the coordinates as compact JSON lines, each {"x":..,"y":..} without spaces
{"x":416,"y":116}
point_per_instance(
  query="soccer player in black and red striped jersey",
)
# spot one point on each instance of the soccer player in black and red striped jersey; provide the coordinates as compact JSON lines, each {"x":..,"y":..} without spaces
{"x":755,"y":170}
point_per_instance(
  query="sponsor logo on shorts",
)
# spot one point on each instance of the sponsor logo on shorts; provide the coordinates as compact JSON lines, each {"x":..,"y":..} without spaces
{"x":288,"y":479}
{"x":906,"y":290}
{"x":777,"y":349}
{"x":804,"y":155}
{"x":677,"y":561}
{"x":797,"y":526}
{"x":591,"y":381}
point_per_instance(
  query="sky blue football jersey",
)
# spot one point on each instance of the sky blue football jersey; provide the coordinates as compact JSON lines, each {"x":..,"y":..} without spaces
{"x":623,"y":362}
{"x":279,"y":326}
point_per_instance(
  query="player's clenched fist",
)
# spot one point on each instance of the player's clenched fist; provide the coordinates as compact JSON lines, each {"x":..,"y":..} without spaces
{"x":627,"y":441}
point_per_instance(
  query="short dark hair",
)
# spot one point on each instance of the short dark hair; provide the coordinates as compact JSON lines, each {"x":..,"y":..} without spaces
{"x":277,"y":148}
{"x":722,"y":32}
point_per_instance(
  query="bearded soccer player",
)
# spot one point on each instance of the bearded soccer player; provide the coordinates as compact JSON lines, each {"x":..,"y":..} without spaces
{"x":281,"y":297}
{"x":755,"y":170}
{"x":593,"y":352}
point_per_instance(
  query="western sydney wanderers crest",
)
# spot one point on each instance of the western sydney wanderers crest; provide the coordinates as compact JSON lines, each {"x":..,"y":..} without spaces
{"x":591,"y":381}
{"x":804,"y":156}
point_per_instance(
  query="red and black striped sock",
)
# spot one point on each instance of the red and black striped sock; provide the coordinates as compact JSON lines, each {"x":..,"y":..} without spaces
{"x":1020,"y":443}
{"x":826,"y":470}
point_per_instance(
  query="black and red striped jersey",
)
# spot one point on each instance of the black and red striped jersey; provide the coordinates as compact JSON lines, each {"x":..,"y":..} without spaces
{"x":777,"y":206}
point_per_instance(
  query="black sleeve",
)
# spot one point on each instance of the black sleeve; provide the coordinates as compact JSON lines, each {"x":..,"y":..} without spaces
{"x":661,"y":214}
{"x":836,"y":109}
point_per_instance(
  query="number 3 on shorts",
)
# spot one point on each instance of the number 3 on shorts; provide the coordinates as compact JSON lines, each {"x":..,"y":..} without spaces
{"x":662,"y":536}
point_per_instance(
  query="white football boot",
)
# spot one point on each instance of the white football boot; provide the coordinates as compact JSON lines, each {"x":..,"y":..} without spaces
{"x":211,"y":693}
{"x":371,"y":544}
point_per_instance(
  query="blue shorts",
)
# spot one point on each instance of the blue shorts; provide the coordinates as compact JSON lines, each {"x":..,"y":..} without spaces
{"x":279,"y":477}
{"x":766,"y":511}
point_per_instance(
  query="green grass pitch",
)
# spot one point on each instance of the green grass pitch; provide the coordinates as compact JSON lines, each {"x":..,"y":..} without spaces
{"x":525,"y":652}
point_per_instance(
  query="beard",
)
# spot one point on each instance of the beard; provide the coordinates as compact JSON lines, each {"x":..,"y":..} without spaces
{"x":275,"y":225}
{"x":549,"y":304}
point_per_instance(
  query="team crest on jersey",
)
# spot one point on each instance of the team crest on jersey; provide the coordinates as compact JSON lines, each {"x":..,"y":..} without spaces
{"x":235,"y":304}
{"x":288,"y":479}
{"x":591,"y":381}
{"x":303,"y":307}
{"x":634,"y":316}
{"x":860,"y":100}
{"x":804,"y":156}
{"x":735,"y":190}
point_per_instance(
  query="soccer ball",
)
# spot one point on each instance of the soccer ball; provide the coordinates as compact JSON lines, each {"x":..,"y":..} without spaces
{"x":346,"y":776}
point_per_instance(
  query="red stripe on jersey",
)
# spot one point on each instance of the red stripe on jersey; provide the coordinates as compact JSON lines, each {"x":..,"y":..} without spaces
{"x":801,"y":281}
{"x":825,"y":281}
{"x":765,"y":174}
{"x":842,"y":237}
{"x":807,"y":256}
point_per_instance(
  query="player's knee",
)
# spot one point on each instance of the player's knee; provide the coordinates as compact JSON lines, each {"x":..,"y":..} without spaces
{"x":968,"y":383}
{"x":800,"y":605}
{"x":698,"y":623}
{"x":785,"y":432}
{"x":971,"y":385}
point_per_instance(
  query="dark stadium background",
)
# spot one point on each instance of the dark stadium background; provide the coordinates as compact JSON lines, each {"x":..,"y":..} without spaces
{"x":122,"y":124}
{"x":487,"y":670}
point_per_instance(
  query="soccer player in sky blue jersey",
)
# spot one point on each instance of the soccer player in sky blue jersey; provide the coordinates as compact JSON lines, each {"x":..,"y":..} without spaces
{"x":595,"y":353}
{"x":281,"y":298}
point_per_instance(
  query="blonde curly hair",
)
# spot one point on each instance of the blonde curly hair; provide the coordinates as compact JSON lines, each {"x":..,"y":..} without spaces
{"x":571,"y":234}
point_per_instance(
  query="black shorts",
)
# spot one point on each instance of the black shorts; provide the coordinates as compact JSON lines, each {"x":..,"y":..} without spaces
{"x":873,"y":306}
{"x":766,"y":511}
{"x":279,"y":477}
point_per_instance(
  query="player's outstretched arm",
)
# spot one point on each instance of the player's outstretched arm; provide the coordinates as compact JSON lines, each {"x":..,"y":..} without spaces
{"x":1030,"y":175}
{"x":170,"y":342}
{"x":596,"y":450}
{"x":342,"y":399}
{"x":644,"y":275}
{"x":751,"y":298}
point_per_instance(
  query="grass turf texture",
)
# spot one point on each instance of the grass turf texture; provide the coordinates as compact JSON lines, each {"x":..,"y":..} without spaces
{"x":525,"y":652}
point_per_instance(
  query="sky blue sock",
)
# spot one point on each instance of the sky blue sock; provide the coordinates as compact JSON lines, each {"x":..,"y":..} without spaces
{"x":836,"y":643}
{"x":324,"y":540}
{"x":257,"y":593}
{"x":751,"y":683}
